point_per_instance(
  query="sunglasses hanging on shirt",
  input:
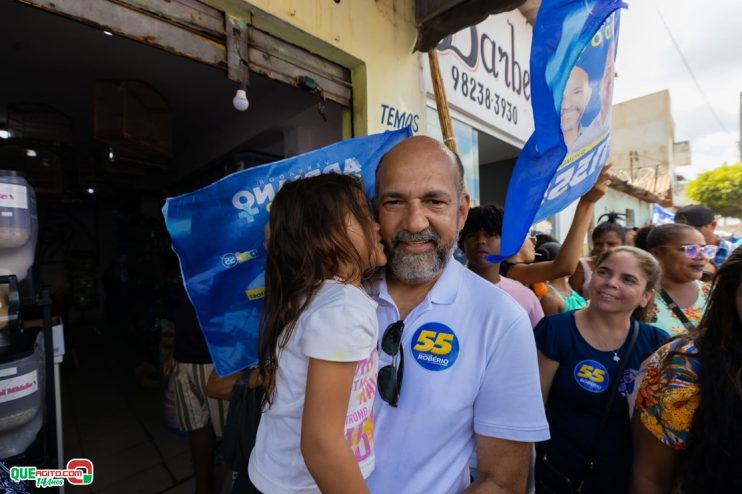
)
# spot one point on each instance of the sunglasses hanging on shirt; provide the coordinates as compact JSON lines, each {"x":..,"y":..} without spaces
{"x":390,"y":376}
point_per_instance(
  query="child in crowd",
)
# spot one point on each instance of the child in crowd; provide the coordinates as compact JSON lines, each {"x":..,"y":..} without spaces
{"x":606,"y":235}
{"x":561,"y":296}
{"x":640,"y":239}
{"x":318,"y":339}
{"x":481,"y":237}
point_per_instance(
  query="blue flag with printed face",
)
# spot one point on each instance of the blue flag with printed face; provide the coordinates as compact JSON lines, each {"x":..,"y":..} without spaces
{"x":217,"y":233}
{"x":572,"y":68}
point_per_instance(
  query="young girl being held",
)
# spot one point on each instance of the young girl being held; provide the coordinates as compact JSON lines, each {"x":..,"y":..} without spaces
{"x":318,"y":357}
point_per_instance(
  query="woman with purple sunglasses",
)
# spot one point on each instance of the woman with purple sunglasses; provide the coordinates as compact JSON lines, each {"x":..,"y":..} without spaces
{"x":682,"y":253}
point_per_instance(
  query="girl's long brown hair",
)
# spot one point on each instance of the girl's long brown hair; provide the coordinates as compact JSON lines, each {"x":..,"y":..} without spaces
{"x":308,"y":245}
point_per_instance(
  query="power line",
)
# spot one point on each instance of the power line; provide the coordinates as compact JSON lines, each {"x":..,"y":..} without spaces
{"x":690,"y":71}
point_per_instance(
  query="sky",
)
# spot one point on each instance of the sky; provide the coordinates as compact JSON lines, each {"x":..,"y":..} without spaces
{"x":708,"y":36}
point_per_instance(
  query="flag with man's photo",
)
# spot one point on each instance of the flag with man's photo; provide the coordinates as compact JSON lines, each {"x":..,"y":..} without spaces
{"x":572,"y":68}
{"x":217,"y":233}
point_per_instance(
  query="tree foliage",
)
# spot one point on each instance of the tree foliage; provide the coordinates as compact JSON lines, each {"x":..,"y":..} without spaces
{"x":719,"y":189}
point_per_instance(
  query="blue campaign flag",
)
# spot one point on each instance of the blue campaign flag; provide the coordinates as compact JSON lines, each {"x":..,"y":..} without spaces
{"x":217,"y":233}
{"x":660,"y":215}
{"x":572,"y":68}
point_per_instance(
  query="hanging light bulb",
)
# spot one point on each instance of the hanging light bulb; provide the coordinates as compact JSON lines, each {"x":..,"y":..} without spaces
{"x":240,"y":99}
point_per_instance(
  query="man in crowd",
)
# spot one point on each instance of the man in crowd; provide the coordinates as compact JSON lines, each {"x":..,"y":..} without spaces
{"x":200,"y":416}
{"x":703,"y":219}
{"x":458,"y":366}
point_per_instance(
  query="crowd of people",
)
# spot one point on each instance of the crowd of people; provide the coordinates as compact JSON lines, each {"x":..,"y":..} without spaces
{"x":388,"y":366}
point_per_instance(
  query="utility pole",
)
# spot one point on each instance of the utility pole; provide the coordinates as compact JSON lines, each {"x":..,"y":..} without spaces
{"x":444,"y":117}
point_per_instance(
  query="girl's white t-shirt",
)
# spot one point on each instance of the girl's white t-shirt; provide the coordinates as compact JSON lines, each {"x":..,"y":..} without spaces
{"x":339,"y":325}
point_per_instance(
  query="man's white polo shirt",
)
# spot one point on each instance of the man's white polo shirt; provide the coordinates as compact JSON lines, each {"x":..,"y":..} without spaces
{"x":470,"y":366}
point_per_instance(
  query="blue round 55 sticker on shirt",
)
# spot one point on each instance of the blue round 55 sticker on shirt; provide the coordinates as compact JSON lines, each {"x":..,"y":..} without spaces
{"x":435,"y":346}
{"x":591,"y":376}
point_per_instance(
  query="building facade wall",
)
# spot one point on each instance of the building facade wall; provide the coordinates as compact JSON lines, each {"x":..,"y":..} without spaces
{"x":642,"y":137}
{"x":374,"y":39}
{"x":391,"y":88}
{"x":639,"y":213}
{"x":620,"y":202}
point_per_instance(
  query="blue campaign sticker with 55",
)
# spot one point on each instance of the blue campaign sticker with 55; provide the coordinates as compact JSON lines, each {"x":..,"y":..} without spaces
{"x":435,"y":346}
{"x":591,"y":376}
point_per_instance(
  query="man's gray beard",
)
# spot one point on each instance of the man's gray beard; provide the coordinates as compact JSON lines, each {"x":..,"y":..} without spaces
{"x":417,"y":268}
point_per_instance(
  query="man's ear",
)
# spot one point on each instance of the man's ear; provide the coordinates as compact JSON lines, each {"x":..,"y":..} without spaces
{"x":713,"y":225}
{"x":464,"y":205}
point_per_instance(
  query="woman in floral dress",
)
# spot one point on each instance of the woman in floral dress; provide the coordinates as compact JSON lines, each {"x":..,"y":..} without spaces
{"x":687,"y":424}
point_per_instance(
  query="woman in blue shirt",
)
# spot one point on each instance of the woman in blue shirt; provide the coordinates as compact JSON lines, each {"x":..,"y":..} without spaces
{"x":579,"y":355}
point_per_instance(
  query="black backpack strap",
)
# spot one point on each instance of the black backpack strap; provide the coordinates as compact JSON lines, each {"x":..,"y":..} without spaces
{"x":676,"y":310}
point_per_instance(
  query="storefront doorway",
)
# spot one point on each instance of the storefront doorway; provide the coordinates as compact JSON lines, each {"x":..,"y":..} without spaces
{"x":104,"y":127}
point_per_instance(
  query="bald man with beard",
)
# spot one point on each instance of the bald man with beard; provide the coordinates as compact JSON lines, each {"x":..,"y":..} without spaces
{"x":602,"y":121}
{"x":576,"y":96}
{"x":457,"y":358}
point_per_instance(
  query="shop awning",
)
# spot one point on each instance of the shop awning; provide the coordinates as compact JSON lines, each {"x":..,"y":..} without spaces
{"x":437,"y":19}
{"x":195,"y":30}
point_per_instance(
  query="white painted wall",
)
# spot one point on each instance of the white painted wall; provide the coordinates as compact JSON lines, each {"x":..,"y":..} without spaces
{"x":613,"y":200}
{"x":619,"y":202}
